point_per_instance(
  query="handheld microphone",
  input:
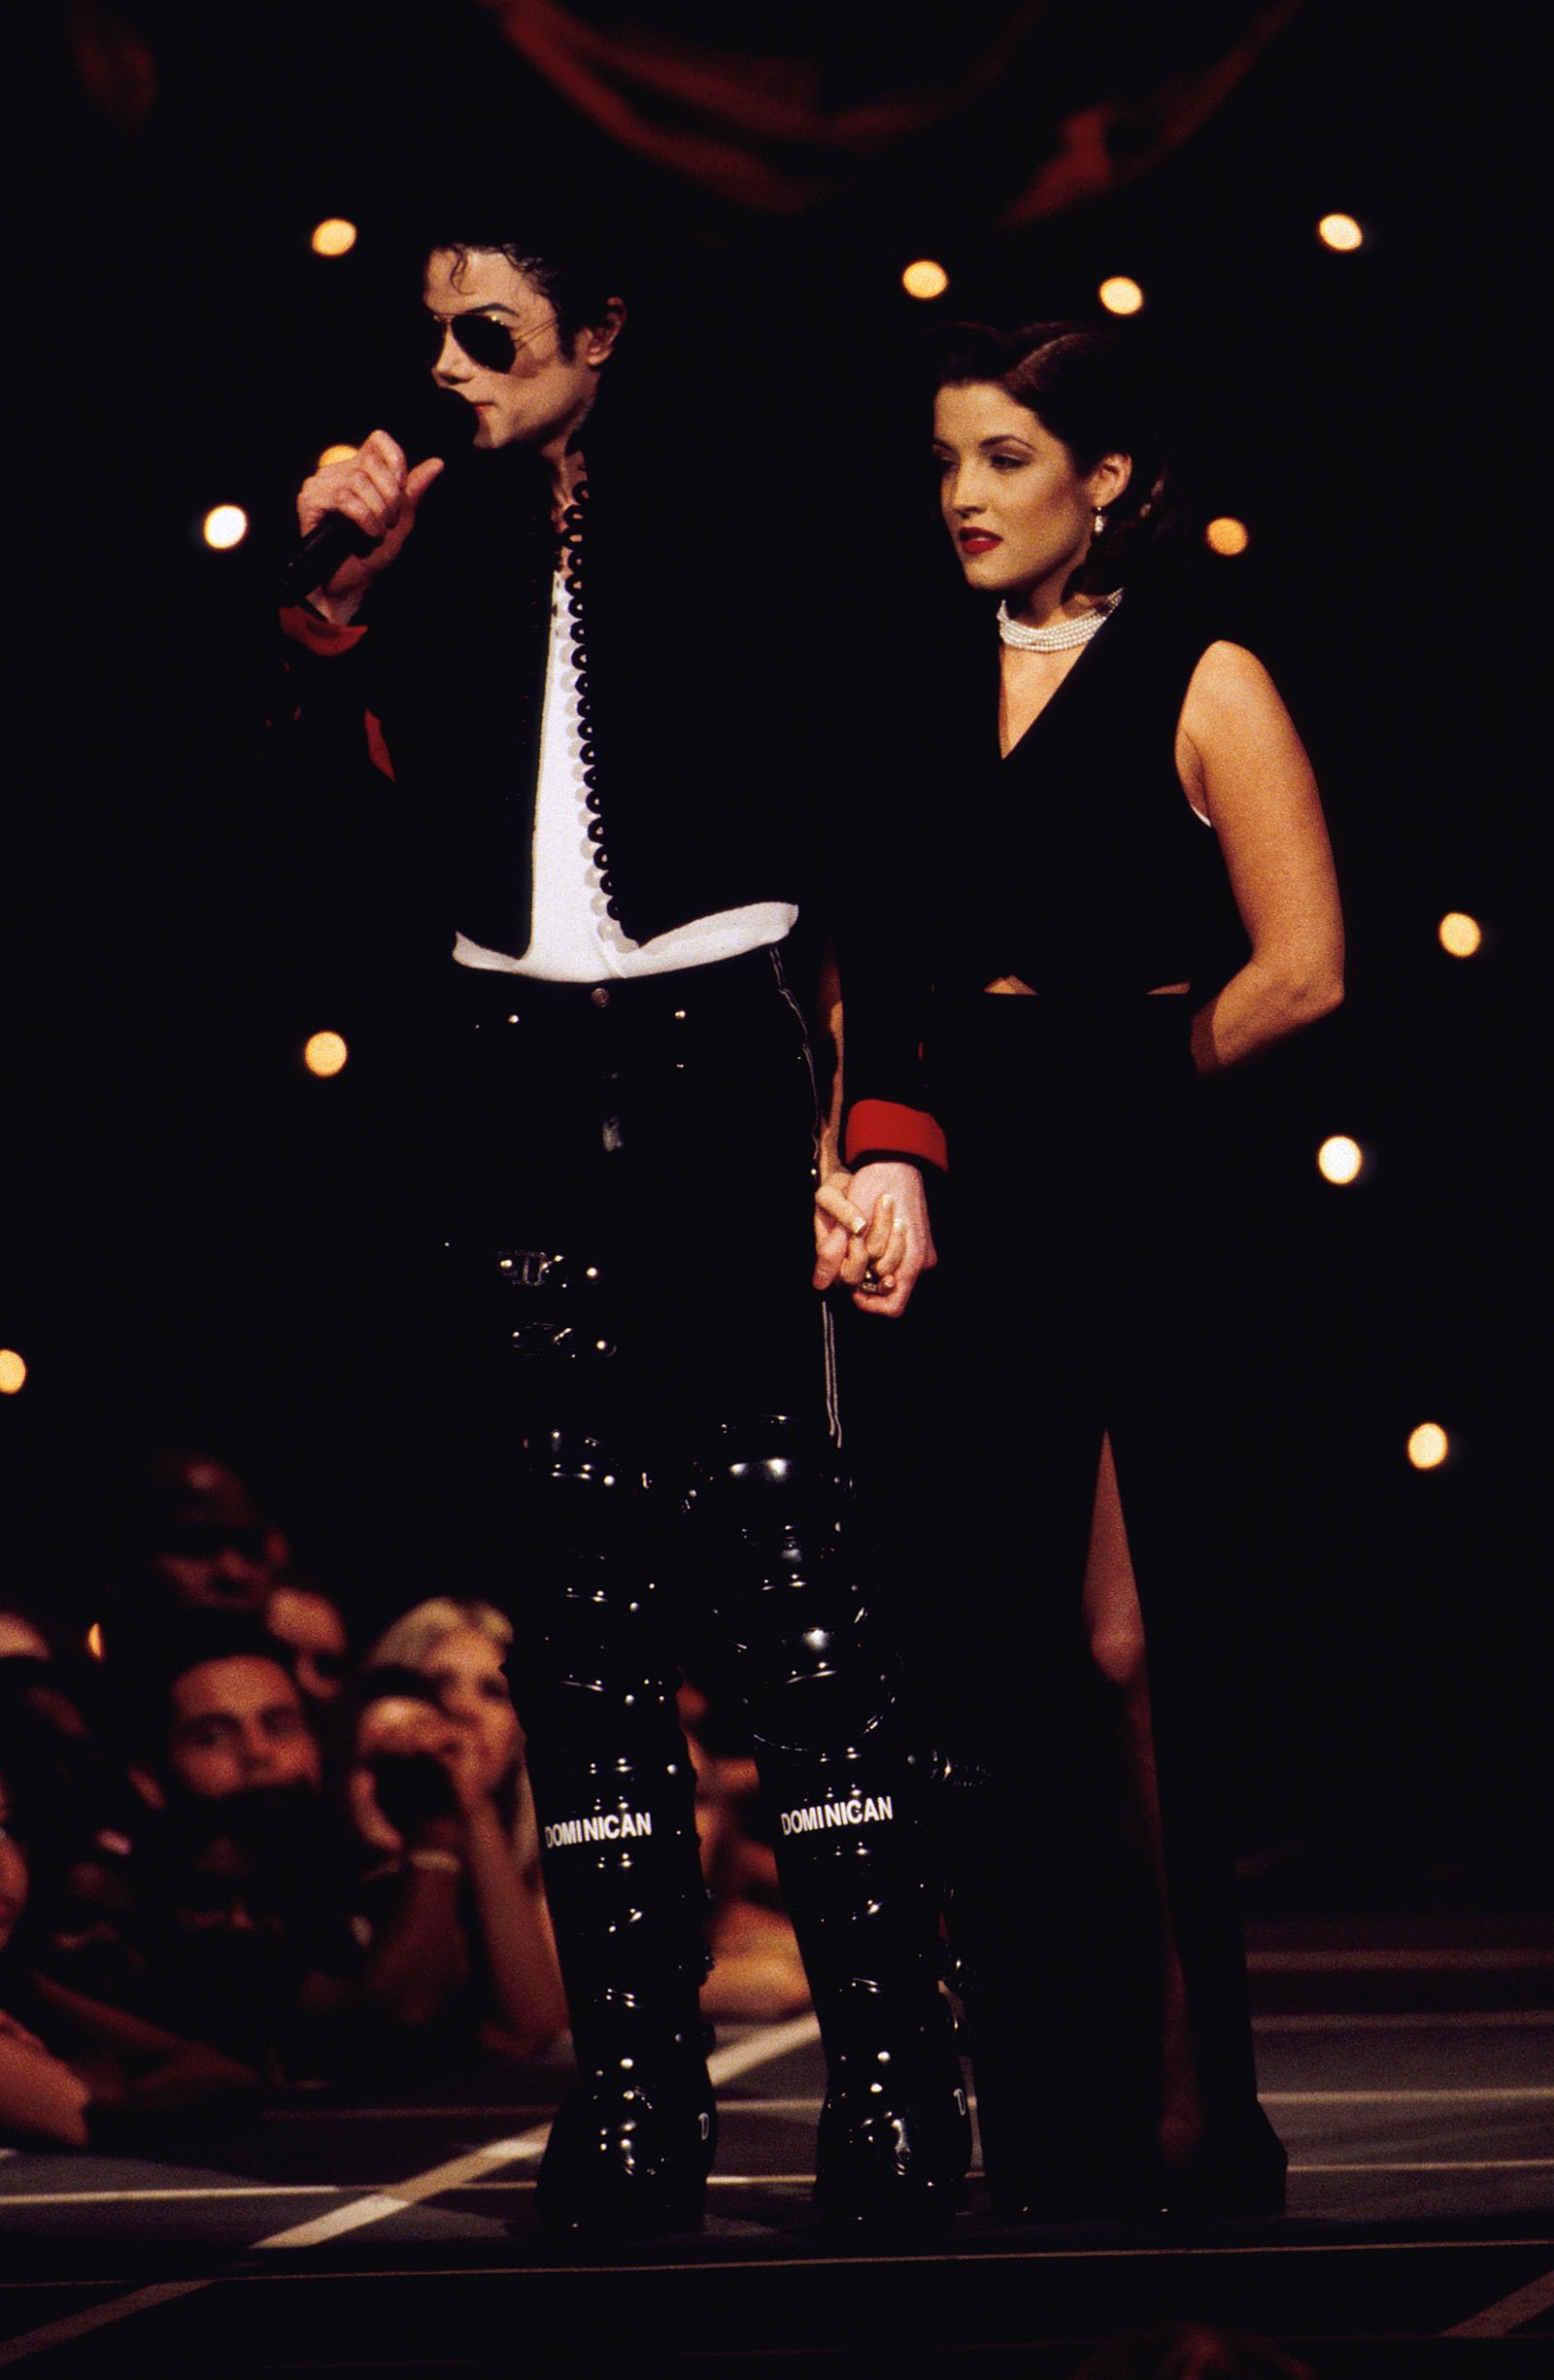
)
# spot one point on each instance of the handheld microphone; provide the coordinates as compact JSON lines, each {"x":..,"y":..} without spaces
{"x":432,"y":422}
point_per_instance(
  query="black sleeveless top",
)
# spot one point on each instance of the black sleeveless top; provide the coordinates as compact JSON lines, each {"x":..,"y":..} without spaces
{"x":1086,"y":871}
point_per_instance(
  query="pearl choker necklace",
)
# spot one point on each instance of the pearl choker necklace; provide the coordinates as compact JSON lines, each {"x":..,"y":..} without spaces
{"x":1061,"y":634}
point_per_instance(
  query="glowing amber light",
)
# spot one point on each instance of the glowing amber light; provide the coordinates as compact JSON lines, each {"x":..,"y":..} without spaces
{"x":1341,"y":1158}
{"x":325,"y":1053}
{"x":226,"y":526}
{"x":1227,"y":536}
{"x":334,"y":237}
{"x":923,"y":278}
{"x":94,"y":1640}
{"x":1460,"y":934}
{"x":1120,"y":295}
{"x":12,"y":1371}
{"x":1428,"y":1446}
{"x":1340,"y":232}
{"x":336,"y":454}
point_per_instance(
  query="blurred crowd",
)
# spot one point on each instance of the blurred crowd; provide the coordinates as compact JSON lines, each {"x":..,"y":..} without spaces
{"x":241,"y":1852}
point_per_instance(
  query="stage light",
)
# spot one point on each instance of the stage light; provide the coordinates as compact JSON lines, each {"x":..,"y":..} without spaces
{"x":1227,"y":536}
{"x":1460,"y":934}
{"x":337,"y":453}
{"x":12,"y":1371}
{"x":1341,"y":1158}
{"x":333,"y":237}
{"x":94,"y":1640}
{"x":224,"y":527}
{"x":1428,"y":1446}
{"x":923,"y":278}
{"x":1120,"y":295}
{"x":325,"y":1053}
{"x":1340,"y":232}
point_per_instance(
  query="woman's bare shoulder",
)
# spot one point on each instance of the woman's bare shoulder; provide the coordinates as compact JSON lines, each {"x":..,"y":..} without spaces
{"x":1226,"y":673}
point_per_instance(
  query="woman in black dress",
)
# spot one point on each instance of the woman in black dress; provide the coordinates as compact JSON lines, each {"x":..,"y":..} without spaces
{"x":1124,"y":887}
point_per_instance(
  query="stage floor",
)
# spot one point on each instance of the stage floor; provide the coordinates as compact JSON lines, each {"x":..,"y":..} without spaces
{"x":400,"y":2238}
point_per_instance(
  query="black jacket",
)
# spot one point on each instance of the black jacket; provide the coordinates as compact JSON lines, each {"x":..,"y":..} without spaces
{"x":704,"y":680}
{"x":752,"y":705}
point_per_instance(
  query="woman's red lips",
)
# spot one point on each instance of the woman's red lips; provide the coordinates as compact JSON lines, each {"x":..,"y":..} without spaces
{"x":978,"y":540}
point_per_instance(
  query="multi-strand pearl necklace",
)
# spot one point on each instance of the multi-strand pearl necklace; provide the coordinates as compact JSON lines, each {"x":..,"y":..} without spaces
{"x":1061,"y":634}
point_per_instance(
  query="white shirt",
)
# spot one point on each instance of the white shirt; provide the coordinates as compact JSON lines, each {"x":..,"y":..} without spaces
{"x":575,"y":939}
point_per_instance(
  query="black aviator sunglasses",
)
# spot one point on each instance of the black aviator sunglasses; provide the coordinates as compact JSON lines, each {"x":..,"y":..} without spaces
{"x":481,"y":337}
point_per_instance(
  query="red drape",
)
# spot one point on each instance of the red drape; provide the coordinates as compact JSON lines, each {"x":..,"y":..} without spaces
{"x":777,"y":130}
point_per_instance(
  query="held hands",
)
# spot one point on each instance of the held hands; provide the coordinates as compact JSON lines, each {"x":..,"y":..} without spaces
{"x":376,"y":490}
{"x":872,"y":1235}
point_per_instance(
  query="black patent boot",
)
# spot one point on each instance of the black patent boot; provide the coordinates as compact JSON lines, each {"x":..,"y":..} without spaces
{"x":632,"y":2142}
{"x":895,"y":2138}
{"x":854,"y":1857}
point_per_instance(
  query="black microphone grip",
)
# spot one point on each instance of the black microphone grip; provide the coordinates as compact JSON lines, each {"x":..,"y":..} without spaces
{"x":329,"y":542}
{"x":432,"y":420}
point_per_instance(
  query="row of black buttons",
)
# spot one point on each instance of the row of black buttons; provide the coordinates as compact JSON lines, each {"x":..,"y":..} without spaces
{"x":572,"y":527}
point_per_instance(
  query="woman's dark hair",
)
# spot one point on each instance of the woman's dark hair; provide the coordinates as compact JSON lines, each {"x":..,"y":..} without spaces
{"x":1085,"y":389}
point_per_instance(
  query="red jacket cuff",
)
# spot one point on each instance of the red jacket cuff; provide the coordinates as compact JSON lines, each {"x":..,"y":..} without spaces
{"x":320,"y":635}
{"x":880,"y":1123}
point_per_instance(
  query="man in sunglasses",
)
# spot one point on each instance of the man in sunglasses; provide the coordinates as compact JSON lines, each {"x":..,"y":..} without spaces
{"x":589,"y":654}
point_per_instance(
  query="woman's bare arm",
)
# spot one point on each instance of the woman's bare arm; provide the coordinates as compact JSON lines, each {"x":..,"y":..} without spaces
{"x":41,"y":2097}
{"x":1242,"y":763}
{"x":525,"y":1982}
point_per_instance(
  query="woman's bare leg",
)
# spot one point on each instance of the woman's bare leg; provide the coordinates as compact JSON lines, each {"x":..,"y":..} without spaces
{"x":1115,"y":1627}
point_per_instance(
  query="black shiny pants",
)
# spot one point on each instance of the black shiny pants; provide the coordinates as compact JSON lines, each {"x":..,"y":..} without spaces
{"x":654,"y":1448}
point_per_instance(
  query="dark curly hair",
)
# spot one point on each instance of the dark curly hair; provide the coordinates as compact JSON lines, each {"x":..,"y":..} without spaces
{"x":564,"y":251}
{"x":1084,"y":386}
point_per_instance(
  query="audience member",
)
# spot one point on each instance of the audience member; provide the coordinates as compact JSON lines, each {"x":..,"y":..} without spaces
{"x":73,"y":2070}
{"x":242,"y":1883}
{"x":225,"y":1716}
{"x":307,"y":1623}
{"x":201,"y":1543}
{"x":445,"y":1752}
{"x":91,"y":1809}
{"x":1190,"y":2351}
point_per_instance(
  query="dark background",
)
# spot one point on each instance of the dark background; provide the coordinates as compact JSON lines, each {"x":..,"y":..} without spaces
{"x":197,"y":1246}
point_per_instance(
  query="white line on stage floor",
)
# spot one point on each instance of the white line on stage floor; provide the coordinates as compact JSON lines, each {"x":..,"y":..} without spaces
{"x":470,"y":2111}
{"x":807,"y":2104}
{"x":716,"y":2181}
{"x":77,"y":2326}
{"x":1438,"y":2165}
{"x":1407,"y":2020}
{"x":1507,"y":2314}
{"x":153,"y":2197}
{"x":1443,"y":2095}
{"x":1411,"y":1962}
{"x":757,"y":2048}
{"x":1067,"y":2255}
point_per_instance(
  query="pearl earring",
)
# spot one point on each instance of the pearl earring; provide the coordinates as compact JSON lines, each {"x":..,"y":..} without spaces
{"x":1100,"y":520}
